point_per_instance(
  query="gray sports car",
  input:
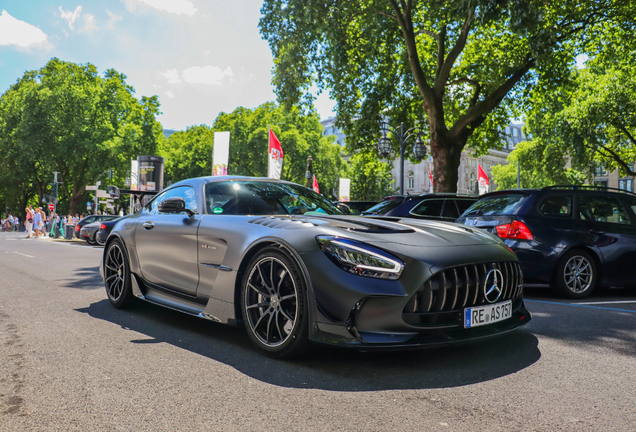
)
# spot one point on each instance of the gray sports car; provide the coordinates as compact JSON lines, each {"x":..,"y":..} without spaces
{"x":284,"y":262}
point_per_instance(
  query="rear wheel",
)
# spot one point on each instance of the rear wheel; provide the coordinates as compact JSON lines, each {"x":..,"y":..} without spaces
{"x":117,"y":275}
{"x":274,"y":304}
{"x":576,"y":275}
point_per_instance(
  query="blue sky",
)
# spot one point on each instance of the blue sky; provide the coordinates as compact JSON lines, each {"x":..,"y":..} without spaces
{"x":200,"y":57}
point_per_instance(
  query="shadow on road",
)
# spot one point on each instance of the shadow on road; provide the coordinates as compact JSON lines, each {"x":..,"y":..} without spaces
{"x":84,"y":278}
{"x":327,"y":368}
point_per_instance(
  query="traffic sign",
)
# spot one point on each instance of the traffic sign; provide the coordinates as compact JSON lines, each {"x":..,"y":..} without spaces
{"x":89,"y":204}
{"x":91,"y":187}
{"x":51,"y":207}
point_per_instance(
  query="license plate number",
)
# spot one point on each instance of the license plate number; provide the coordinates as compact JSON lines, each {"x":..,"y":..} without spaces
{"x":482,"y":315}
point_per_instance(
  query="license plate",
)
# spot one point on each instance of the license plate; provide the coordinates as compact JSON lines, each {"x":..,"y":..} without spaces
{"x":482,"y":315}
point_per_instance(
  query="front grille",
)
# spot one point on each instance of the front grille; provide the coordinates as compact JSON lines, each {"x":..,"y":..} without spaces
{"x":441,"y":299}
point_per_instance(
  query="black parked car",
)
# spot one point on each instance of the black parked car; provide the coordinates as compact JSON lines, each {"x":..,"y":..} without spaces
{"x":573,"y":237}
{"x":105,"y":227}
{"x":438,"y":206}
{"x":355,"y":208}
{"x":91,"y":219}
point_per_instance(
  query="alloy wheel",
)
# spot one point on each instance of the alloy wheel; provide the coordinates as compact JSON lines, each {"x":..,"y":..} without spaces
{"x":271,"y":302}
{"x":578,"y":274}
{"x":115,"y":272}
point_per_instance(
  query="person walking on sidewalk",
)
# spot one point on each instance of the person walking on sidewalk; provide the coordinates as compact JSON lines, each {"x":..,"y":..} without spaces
{"x":29,"y":222}
{"x":37,"y":220}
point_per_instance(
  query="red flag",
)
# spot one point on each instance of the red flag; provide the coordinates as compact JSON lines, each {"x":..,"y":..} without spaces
{"x":430,"y":178}
{"x":316,"y":189}
{"x":482,"y":179}
{"x":275,"y":157}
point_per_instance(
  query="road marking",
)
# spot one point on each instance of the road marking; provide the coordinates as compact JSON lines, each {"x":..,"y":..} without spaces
{"x":20,"y":253}
{"x":580,"y":305}
{"x":608,"y":302}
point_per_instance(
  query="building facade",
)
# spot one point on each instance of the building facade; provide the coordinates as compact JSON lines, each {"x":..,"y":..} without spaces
{"x":603,"y":177}
{"x":417,"y":176}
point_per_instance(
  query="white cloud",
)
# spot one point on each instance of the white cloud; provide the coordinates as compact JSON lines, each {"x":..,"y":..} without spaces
{"x":211,"y":75}
{"x":172,"y":75}
{"x":89,"y":24}
{"x":112,"y":19}
{"x":169,"y":94}
{"x":19,"y":33}
{"x":179,"y":7}
{"x":71,"y":17}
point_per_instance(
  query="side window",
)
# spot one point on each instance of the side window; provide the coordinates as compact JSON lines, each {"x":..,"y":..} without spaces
{"x":558,"y":206}
{"x":450,"y":209}
{"x":602,"y":209}
{"x":463,"y":204}
{"x":430,"y":207}
{"x":630,"y":201}
{"x":185,"y":192}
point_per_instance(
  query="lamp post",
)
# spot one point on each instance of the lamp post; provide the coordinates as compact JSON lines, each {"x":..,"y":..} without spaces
{"x":402,"y":136}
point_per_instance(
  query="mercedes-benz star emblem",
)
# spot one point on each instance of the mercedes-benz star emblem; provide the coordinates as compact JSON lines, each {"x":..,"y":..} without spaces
{"x":492,"y":286}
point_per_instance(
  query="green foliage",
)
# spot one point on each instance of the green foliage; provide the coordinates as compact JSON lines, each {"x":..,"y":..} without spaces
{"x":300,"y":135}
{"x":593,"y":117}
{"x":66,"y":118}
{"x":541,"y":165}
{"x":188,"y":153}
{"x":371,"y":178}
{"x":462,"y":68}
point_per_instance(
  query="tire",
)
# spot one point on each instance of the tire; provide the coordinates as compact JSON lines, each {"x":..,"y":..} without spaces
{"x":117,"y":275}
{"x":576,"y":275}
{"x":273,"y":302}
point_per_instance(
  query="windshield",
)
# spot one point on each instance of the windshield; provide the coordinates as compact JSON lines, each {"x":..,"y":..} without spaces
{"x":496,"y":205}
{"x":265,"y":198}
{"x":385,"y":206}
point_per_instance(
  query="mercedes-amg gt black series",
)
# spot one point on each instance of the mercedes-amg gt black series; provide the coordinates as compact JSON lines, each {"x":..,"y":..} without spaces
{"x":284,"y":262}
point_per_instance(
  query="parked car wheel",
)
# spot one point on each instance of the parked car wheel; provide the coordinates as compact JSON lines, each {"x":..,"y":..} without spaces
{"x":576,"y":275}
{"x":274,"y":304}
{"x":117,"y":275}
{"x":101,"y":243}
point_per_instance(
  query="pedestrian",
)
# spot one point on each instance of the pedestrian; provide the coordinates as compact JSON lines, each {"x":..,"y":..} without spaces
{"x":37,"y":223}
{"x":29,"y":222}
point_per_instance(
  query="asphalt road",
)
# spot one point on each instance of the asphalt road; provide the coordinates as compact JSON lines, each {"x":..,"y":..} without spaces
{"x":71,"y":362}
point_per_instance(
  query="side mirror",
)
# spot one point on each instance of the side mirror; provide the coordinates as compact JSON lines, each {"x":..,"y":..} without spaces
{"x":113,"y":191}
{"x":174,"y":205}
{"x":343,"y":208}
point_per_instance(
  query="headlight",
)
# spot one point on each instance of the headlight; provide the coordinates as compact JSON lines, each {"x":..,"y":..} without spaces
{"x":361,"y":259}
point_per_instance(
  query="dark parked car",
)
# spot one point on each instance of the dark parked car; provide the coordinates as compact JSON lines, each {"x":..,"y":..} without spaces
{"x":91,"y":219}
{"x":90,"y":232}
{"x":105,"y":227}
{"x":573,"y":237}
{"x":356,"y":207}
{"x":284,"y":262}
{"x":438,"y":206}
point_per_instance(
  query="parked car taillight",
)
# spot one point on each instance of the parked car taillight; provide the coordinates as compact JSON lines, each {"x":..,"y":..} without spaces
{"x":77,"y":227}
{"x":102,"y":226}
{"x":515,"y":230}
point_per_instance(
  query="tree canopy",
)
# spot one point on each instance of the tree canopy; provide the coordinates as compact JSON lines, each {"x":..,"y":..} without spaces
{"x":67,"y":118}
{"x":462,"y":68}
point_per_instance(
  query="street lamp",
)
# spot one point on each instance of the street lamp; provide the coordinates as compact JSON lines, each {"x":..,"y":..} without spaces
{"x":402,"y":136}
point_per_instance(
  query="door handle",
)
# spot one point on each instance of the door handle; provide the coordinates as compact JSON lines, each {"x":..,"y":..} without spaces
{"x":148,"y":225}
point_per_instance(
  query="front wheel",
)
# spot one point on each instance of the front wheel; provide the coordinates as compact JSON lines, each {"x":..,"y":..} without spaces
{"x":274,"y":306}
{"x":117,"y":275}
{"x":576,"y":275}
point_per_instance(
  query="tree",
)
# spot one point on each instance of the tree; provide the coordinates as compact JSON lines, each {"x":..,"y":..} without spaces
{"x":594,"y":118}
{"x":371,"y":178}
{"x":66,"y":118}
{"x":540,"y":163}
{"x":188,"y":153}
{"x":300,"y":135}
{"x":461,"y":67}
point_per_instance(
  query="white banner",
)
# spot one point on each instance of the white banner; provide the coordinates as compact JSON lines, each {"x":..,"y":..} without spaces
{"x":345,"y":190}
{"x":274,"y":156}
{"x":134,"y":174}
{"x":220,"y":153}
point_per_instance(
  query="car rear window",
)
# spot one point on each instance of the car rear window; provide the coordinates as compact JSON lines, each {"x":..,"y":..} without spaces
{"x":496,"y":205}
{"x":385,"y":206}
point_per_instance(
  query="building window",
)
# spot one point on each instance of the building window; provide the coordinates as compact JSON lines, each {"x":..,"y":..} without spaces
{"x":600,"y":171}
{"x":411,"y":180}
{"x":600,"y":183}
{"x":626,"y":184}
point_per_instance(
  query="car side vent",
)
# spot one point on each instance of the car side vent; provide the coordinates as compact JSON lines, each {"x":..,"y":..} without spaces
{"x":446,"y":293}
{"x":281,"y":223}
